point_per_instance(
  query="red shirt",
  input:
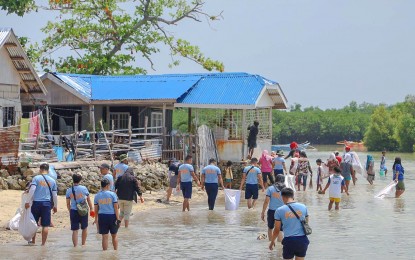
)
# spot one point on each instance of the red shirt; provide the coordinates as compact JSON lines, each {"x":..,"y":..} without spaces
{"x":339,"y":159}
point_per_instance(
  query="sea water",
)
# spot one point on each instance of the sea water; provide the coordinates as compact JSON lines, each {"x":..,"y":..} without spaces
{"x":364,"y":228}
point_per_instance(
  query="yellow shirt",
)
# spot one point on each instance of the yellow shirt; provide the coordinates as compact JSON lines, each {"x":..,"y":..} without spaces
{"x":228,"y":173}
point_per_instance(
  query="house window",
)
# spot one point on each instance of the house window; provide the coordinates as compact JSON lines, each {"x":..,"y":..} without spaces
{"x":120,"y":120}
{"x":156,"y":121}
{"x":8,"y":116}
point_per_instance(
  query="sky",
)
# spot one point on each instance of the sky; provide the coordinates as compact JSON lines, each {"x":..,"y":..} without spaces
{"x":323,"y":53}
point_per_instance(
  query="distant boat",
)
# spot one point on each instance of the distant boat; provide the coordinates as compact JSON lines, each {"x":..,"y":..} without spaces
{"x":286,"y":147}
{"x":351,"y":143}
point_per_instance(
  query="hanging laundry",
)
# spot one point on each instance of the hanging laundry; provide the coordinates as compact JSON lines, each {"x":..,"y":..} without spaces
{"x":24,"y":128}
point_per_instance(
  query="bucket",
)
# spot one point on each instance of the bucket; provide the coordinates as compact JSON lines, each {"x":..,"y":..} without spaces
{"x":232,"y":199}
{"x":382,"y":173}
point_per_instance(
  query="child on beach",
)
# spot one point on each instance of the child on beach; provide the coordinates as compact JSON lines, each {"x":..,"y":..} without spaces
{"x":106,"y":205}
{"x":228,"y":175}
{"x":370,"y":163}
{"x":383,"y":163}
{"x":336,"y":184}
{"x":319,"y":175}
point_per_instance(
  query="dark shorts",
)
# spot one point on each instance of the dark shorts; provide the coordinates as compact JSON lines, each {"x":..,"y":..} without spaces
{"x":77,"y":220}
{"x":41,"y":210}
{"x":271,"y":218}
{"x":278,"y":171}
{"x":266,"y":175}
{"x":294,"y":246}
{"x":251,"y":191}
{"x":186,"y":188}
{"x":251,"y":144}
{"x":107,"y":224}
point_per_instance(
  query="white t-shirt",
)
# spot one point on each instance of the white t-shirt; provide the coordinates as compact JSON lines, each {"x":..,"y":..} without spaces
{"x":336,"y":181}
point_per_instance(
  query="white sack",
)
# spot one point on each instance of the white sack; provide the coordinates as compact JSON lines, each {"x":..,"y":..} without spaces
{"x":27,"y":225}
{"x":232,"y":199}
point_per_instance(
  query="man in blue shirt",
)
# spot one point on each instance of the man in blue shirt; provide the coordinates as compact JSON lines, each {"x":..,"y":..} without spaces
{"x":273,"y":201}
{"x":252,"y":175}
{"x":184,"y":181}
{"x":106,"y":174}
{"x":107,"y":215}
{"x":121,"y":167}
{"x":81,"y":196}
{"x":43,"y":192}
{"x":211,"y":176}
{"x":295,"y":242}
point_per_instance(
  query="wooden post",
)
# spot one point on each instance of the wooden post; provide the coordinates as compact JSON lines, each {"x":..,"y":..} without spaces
{"x":189,"y":120}
{"x":244,"y":129}
{"x":164,"y":129}
{"x":76,"y":136}
{"x":48,"y":120}
{"x":113,"y":133}
{"x":129,"y":132}
{"x":145,"y":127}
{"x":107,"y":120}
{"x":92,"y":120}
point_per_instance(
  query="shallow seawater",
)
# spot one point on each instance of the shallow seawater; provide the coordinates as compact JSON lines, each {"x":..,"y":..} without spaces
{"x":364,"y":228}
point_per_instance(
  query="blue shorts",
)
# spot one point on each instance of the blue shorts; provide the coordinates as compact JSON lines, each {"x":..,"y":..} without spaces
{"x":251,"y":191}
{"x":278,"y":171}
{"x":41,"y":210}
{"x":294,"y":246}
{"x":107,"y":223}
{"x":77,"y":220}
{"x":186,"y":188}
{"x":302,"y":179}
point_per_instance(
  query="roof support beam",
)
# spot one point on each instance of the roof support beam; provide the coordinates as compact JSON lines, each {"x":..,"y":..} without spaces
{"x":25,"y":71}
{"x":17,"y":58}
{"x":10,"y":44}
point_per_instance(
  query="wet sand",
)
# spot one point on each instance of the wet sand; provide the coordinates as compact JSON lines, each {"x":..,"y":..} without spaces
{"x":10,"y":201}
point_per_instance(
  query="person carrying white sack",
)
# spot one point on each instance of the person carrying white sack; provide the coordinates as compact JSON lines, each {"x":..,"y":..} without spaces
{"x":43,"y":194}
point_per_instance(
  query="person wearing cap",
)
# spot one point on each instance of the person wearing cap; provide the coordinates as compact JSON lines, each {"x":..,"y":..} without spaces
{"x":185,"y":180}
{"x":294,"y":149}
{"x":211,"y":177}
{"x":107,"y":215}
{"x":252,"y":175}
{"x":43,"y":193}
{"x":121,"y":167}
{"x":279,"y":163}
{"x":74,"y":195}
{"x":126,"y":187}
{"x":172,"y":174}
{"x":106,"y":174}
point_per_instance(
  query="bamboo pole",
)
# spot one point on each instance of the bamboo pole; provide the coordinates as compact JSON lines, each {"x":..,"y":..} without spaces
{"x":108,"y":145}
{"x":48,"y":120}
{"x":92,"y":118}
{"x":145,"y":127}
{"x":129,"y":132}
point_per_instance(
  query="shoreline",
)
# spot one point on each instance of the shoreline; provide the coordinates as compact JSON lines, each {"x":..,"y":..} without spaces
{"x":10,"y":201}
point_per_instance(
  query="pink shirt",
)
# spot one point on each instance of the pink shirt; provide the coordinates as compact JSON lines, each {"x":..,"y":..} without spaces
{"x":266,"y":163}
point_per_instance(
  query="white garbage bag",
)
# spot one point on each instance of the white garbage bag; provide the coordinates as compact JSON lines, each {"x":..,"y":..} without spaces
{"x":388,"y":191}
{"x":232,"y":199}
{"x":290,"y":181}
{"x":27,"y":225}
{"x":14,"y":222}
{"x":177,"y":192}
{"x":325,"y":171}
{"x":357,"y":165}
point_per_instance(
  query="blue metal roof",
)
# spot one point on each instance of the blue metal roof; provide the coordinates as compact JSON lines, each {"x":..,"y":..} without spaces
{"x":226,"y":89}
{"x":136,"y":87}
{"x":209,"y":89}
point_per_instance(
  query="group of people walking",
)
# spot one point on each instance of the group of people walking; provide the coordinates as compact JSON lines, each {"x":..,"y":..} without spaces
{"x":111,"y":205}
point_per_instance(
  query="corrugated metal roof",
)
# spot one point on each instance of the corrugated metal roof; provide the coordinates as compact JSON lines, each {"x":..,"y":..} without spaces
{"x":237,"y":89}
{"x":17,"y":54}
{"x":137,"y":87}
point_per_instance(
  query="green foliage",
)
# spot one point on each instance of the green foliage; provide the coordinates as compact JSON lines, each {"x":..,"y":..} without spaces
{"x":380,"y":133}
{"x":19,"y":7}
{"x":105,"y":39}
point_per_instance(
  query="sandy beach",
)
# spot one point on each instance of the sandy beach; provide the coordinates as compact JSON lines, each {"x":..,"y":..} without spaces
{"x":10,"y":201}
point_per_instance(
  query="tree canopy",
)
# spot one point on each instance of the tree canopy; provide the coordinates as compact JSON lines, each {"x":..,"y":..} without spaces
{"x":103,"y":38}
